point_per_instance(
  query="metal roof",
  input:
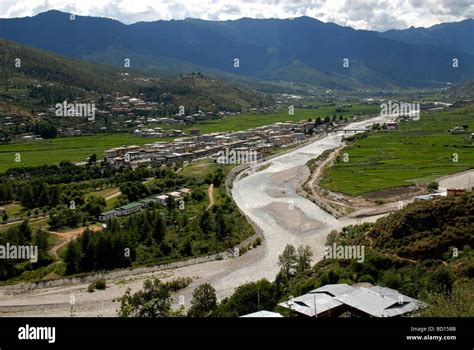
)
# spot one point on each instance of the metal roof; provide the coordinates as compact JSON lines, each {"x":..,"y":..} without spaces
{"x":375,"y":301}
{"x":367,"y":301}
{"x":305,"y":304}
{"x":110,"y":212}
{"x":334,"y":289}
{"x":130,"y":206}
{"x":263,"y":313}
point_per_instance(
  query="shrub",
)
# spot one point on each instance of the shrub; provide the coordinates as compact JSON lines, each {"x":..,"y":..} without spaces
{"x":99,"y":284}
{"x":433,"y":186}
{"x":391,"y":280}
{"x":366,"y":278}
{"x":441,"y":281}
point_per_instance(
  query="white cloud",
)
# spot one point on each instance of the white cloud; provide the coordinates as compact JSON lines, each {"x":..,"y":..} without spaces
{"x":360,"y":14}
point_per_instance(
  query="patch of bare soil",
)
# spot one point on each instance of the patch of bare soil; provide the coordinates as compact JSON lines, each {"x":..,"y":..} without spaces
{"x":396,"y":194}
{"x":291,"y":177}
{"x":66,"y":237}
{"x":292,"y":218}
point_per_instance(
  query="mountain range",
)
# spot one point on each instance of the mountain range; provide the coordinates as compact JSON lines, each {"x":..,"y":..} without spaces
{"x":300,"y":50}
{"x":33,"y":80}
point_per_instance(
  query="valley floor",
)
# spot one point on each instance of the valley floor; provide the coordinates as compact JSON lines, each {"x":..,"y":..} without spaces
{"x":268,"y":197}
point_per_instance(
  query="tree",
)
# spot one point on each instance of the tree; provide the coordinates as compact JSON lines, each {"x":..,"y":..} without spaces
{"x":27,"y":197}
{"x":159,"y":229}
{"x":441,"y":281}
{"x":318,"y":122}
{"x":45,"y":130}
{"x":205,"y":222}
{"x":303,"y":259}
{"x":288,"y":260}
{"x":222,"y":228}
{"x":93,"y":159}
{"x":154,"y":300}
{"x":24,"y":232}
{"x":54,"y":197}
{"x":94,"y":206}
{"x":73,"y":257}
{"x":41,"y":241}
{"x":204,"y":301}
{"x":250,"y":297}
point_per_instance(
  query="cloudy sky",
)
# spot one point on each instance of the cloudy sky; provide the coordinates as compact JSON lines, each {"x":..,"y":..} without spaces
{"x":360,"y":14}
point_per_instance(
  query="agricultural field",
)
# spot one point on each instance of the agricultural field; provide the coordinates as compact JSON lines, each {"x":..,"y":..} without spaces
{"x":73,"y":148}
{"x":419,"y":152}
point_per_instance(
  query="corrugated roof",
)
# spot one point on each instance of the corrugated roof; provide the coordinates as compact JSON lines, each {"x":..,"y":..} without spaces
{"x":375,"y":301}
{"x":334,"y":289}
{"x":130,"y":206}
{"x":368,"y":301}
{"x":263,"y":313}
{"x":305,"y":304}
{"x":113,"y":211}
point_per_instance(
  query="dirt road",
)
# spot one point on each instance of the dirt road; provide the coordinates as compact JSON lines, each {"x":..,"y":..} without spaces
{"x":210,"y":195}
{"x":66,"y":237}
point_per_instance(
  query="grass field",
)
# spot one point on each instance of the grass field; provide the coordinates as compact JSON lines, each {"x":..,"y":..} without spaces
{"x":419,"y":152}
{"x":73,"y":148}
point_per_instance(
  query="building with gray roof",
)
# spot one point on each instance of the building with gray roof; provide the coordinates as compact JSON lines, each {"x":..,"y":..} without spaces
{"x":333,"y":300}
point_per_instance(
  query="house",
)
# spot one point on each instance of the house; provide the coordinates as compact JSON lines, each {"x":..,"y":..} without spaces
{"x":457,"y":130}
{"x":129,"y":208}
{"x":455,"y":192}
{"x":392,"y":126}
{"x":162,"y":199}
{"x":194,"y":132}
{"x":108,"y":215}
{"x":334,"y":300}
{"x":185,"y":191}
{"x":112,"y":153}
{"x":175,"y":195}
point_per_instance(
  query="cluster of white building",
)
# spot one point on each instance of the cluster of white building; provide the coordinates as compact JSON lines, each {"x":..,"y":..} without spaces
{"x":261,"y":141}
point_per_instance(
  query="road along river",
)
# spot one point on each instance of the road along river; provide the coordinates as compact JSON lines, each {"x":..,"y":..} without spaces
{"x":268,"y":197}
